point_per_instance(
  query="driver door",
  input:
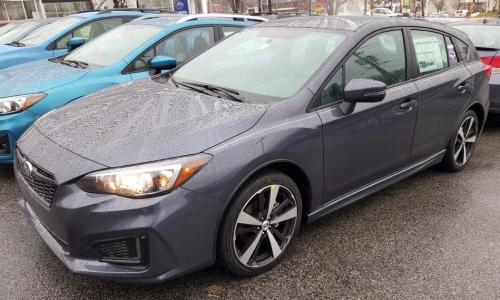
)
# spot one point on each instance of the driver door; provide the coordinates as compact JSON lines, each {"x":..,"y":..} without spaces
{"x":364,"y":142}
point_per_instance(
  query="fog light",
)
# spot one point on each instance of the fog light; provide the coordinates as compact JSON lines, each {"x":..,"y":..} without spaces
{"x":4,"y":144}
{"x":128,"y":251}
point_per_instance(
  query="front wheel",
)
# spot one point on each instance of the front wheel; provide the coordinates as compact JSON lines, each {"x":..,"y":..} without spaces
{"x":260,"y":224}
{"x":462,"y":143}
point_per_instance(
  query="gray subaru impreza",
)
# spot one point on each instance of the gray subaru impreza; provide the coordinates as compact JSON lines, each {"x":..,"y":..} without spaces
{"x":224,"y":158}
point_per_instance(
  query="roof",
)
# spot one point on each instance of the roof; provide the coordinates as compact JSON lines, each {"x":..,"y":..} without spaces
{"x":107,"y":13}
{"x":356,"y":23}
{"x":162,"y":20}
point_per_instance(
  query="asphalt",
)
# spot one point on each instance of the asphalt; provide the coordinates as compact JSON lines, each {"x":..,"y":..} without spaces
{"x":435,"y":235}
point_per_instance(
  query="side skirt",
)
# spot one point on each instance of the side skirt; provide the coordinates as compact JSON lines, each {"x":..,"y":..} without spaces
{"x":375,"y":186}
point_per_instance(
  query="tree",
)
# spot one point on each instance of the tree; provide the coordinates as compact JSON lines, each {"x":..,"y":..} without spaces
{"x":89,"y":4}
{"x":119,"y":3}
{"x":439,"y":5}
{"x":334,"y":5}
{"x":235,"y":5}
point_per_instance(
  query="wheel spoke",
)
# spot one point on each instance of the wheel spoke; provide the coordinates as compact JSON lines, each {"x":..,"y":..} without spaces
{"x":471,"y":139}
{"x":275,"y":247}
{"x":471,"y":122}
{"x":464,"y":155}
{"x":461,"y":133}
{"x":247,"y":219}
{"x":251,"y":249}
{"x":289,"y":214}
{"x":272,"y":199}
{"x":457,"y":153}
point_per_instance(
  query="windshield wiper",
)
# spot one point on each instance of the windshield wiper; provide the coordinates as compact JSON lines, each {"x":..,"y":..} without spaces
{"x":232,"y":94}
{"x":16,"y":44}
{"x":71,"y":63}
{"x":197,"y":88}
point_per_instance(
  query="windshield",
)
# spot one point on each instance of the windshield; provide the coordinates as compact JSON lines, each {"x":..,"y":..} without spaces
{"x":8,"y":27}
{"x":45,"y":33}
{"x":272,"y":62}
{"x":17,"y":32}
{"x":114,"y":45}
{"x":482,"y":36}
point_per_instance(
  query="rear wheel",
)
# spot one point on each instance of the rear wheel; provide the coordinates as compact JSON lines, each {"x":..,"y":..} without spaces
{"x":260,"y":224}
{"x":463,"y":143}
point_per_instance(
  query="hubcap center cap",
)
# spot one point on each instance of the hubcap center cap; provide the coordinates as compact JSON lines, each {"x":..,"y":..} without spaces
{"x":266,"y":225}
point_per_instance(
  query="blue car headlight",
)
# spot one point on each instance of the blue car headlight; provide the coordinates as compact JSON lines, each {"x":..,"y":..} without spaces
{"x":146,"y":180}
{"x":14,"y":104}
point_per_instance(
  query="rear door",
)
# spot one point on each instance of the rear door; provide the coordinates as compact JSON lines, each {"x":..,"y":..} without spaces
{"x":370,"y":140}
{"x":444,"y":87}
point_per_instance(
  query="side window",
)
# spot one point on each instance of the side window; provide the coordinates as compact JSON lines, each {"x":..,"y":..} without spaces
{"x":182,"y":46}
{"x":380,"y":58}
{"x":452,"y":53}
{"x":334,"y":90}
{"x":227,"y":31}
{"x":90,"y":31}
{"x":462,"y":49}
{"x":430,"y":51}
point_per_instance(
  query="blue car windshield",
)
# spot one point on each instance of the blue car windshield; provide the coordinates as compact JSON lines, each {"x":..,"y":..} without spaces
{"x":15,"y":33}
{"x":264,"y":61}
{"x":45,"y":33}
{"x":114,"y":45}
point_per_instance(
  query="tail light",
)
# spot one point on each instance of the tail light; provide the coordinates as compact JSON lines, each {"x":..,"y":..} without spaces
{"x":491,"y":65}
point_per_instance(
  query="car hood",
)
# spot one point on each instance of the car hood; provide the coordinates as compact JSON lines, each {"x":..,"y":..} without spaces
{"x":6,"y":49}
{"x":35,"y":77}
{"x":146,"y":121}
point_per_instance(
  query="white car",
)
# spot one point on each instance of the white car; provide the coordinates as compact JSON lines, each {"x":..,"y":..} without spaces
{"x":384,"y":11}
{"x":461,"y":13}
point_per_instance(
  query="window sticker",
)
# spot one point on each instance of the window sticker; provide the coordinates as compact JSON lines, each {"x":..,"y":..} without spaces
{"x":428,"y":54}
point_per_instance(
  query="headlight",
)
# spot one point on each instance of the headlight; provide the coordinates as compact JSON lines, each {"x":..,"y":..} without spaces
{"x":145,"y":180}
{"x":15,"y":104}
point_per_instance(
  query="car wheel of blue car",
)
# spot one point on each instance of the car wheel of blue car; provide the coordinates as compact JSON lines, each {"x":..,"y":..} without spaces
{"x":462,"y":143}
{"x":260,"y":224}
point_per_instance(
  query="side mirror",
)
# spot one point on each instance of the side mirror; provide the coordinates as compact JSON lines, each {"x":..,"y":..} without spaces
{"x":75,"y":42}
{"x":160,"y":62}
{"x":364,"y":90}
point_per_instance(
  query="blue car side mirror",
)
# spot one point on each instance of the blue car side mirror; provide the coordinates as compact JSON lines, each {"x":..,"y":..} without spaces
{"x":75,"y":42}
{"x":161,"y":62}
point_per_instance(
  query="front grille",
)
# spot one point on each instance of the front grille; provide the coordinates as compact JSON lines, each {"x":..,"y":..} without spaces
{"x":40,"y":181}
{"x":123,"y":250}
{"x":4,"y":144}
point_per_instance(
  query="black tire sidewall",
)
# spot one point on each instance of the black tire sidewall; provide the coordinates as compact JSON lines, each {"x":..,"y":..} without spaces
{"x":225,"y":252}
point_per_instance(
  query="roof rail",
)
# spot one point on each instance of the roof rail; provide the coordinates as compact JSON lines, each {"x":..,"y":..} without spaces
{"x":234,"y":17}
{"x":143,"y":10}
{"x":86,"y":11}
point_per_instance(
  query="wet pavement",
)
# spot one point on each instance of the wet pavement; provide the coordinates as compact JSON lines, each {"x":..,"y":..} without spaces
{"x":434,"y":235}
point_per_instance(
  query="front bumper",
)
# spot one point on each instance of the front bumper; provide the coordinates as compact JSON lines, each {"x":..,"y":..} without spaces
{"x":180,"y":228}
{"x":12,"y":127}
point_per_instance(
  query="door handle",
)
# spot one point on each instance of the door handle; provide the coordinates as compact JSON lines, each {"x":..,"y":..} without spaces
{"x":462,"y":87}
{"x":408,"y":103}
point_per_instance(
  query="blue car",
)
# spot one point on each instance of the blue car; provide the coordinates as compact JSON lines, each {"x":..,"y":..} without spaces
{"x":133,"y":51}
{"x":52,"y":40}
{"x":23,"y":29}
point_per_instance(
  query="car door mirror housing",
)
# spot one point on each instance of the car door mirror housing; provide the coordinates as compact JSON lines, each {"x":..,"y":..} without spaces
{"x":161,"y":62}
{"x":75,"y":42}
{"x":364,"y":90}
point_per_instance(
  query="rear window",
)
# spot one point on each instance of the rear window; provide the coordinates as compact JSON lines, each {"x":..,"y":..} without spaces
{"x":482,"y":36}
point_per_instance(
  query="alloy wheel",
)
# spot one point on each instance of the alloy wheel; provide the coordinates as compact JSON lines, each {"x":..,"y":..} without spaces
{"x":465,"y":140}
{"x":265,"y":226}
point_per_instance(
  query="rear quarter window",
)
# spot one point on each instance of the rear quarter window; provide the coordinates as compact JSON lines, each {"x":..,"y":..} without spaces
{"x":462,"y":49}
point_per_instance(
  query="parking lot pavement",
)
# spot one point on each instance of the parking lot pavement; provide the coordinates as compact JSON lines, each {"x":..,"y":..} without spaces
{"x":433,"y":235}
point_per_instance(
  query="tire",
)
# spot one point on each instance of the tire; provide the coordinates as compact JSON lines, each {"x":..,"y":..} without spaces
{"x":245,"y":245}
{"x":455,"y":158}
